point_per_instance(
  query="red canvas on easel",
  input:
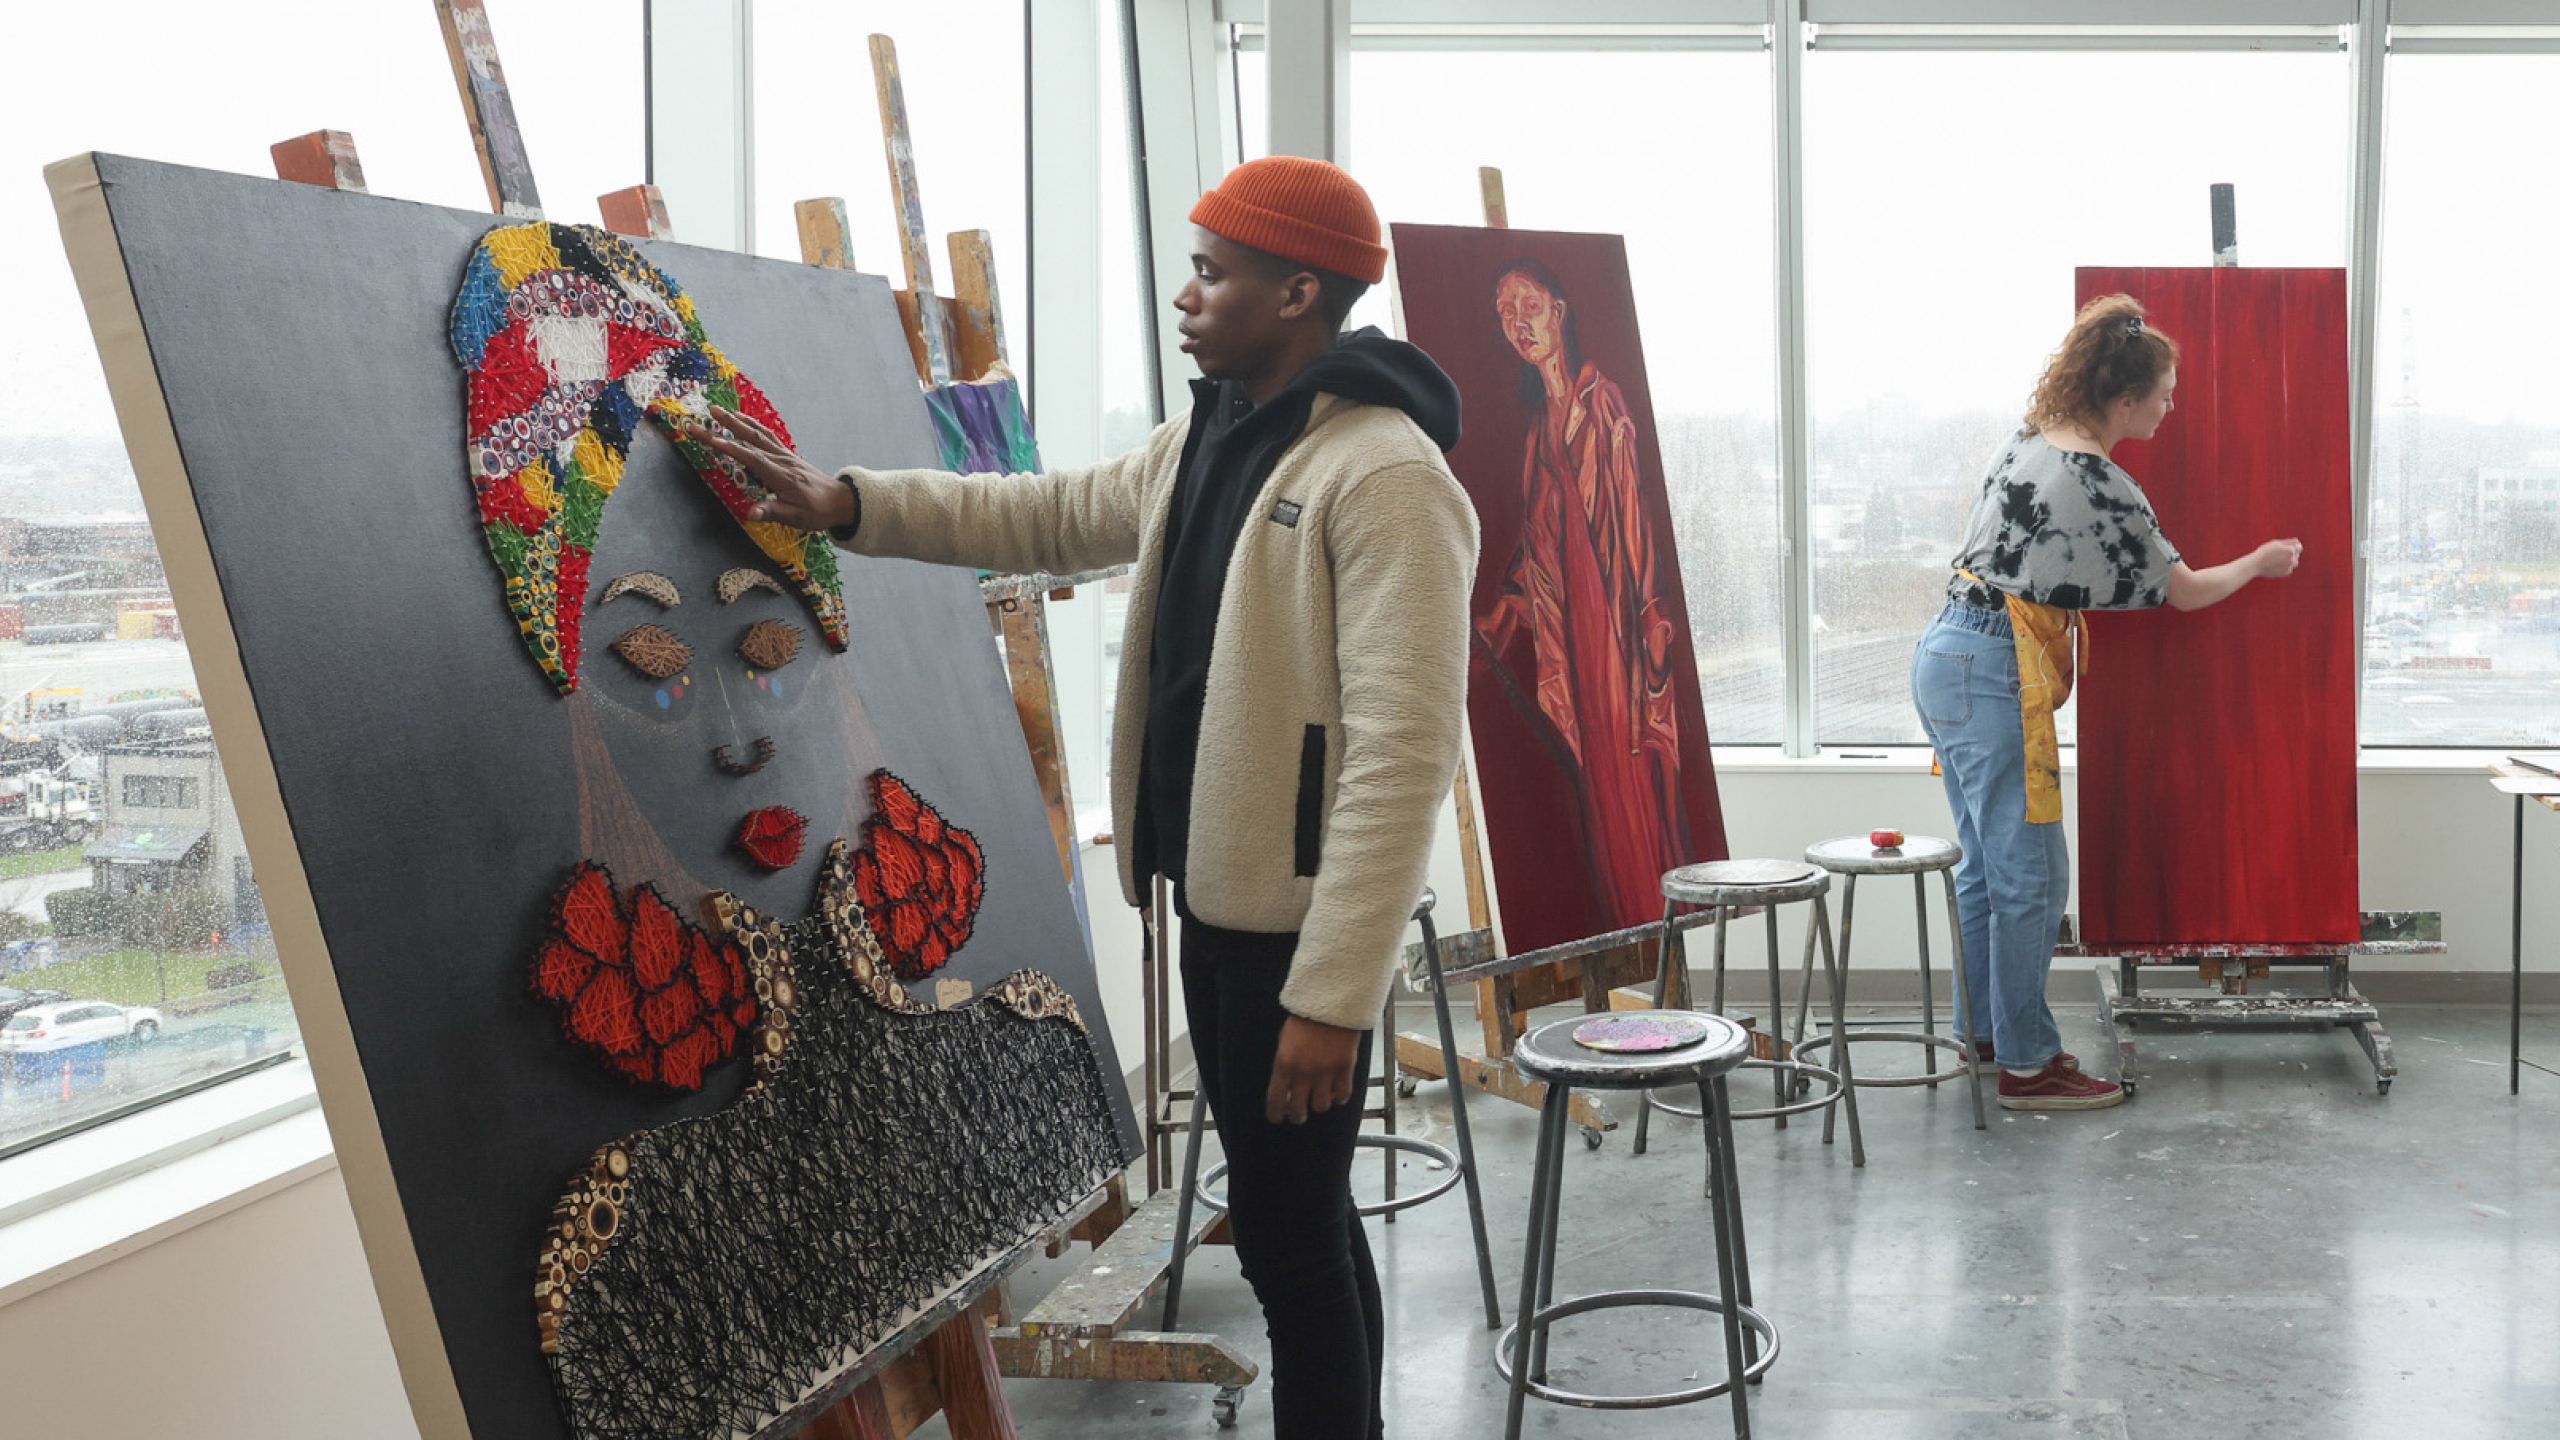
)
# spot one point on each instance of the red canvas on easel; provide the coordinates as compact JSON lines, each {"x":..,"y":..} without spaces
{"x":2218,"y":747}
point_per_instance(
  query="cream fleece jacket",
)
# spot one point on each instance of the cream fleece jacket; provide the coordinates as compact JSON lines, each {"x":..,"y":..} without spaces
{"x":1337,"y":673}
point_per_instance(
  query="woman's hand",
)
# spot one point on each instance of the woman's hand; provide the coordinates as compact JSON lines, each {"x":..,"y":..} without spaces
{"x":802,"y":495}
{"x":2276,"y":559}
{"x":1312,"y":1072}
{"x":2191,"y":589}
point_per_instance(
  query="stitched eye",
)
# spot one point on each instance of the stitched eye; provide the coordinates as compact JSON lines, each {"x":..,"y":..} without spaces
{"x":653,"y":651}
{"x":770,"y":644}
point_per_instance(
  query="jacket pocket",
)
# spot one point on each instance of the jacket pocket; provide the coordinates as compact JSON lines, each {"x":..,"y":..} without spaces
{"x":1310,"y":799}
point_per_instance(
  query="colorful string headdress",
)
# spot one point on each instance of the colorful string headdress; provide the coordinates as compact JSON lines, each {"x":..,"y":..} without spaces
{"x":569,"y":338}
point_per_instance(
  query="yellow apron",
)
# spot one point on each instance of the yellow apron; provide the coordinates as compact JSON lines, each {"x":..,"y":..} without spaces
{"x":2053,"y":648}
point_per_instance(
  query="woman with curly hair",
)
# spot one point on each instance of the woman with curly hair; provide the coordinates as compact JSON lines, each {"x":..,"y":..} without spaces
{"x":2057,"y":528}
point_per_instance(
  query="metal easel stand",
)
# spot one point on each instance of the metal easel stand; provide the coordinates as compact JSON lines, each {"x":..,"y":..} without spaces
{"x":2122,"y":1006}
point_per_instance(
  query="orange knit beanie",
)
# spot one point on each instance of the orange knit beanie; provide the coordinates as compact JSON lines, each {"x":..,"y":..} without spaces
{"x":1298,"y":209}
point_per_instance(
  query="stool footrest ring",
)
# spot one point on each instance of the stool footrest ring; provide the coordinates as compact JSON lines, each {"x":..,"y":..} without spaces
{"x":1751,"y":1319}
{"x":1771,"y":1112}
{"x":1962,"y":1052}
{"x":1441,"y":1155}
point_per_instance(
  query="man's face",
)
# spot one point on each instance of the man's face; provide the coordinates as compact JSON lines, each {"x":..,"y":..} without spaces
{"x":1234,"y":316}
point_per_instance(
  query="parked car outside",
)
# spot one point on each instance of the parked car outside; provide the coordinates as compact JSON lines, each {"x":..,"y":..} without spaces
{"x":63,"y":1024}
{"x":33,"y":954}
{"x":13,"y":1000}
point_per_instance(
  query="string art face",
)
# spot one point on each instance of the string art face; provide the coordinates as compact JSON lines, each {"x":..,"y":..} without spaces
{"x":570,"y":339}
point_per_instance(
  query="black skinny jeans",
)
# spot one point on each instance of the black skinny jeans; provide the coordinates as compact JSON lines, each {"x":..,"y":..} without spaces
{"x":1298,"y":1239}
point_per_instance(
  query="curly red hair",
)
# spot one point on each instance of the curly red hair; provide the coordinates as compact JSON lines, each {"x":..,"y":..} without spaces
{"x":2110,"y":353}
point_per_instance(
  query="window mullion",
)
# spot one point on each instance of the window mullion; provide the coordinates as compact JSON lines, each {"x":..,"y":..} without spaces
{"x":1795,"y":428}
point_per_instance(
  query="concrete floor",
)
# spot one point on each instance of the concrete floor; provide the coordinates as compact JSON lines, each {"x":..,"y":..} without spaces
{"x":2256,"y":1245}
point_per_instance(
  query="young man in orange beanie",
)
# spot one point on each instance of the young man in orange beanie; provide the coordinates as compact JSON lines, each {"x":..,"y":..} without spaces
{"x":1289,"y":726}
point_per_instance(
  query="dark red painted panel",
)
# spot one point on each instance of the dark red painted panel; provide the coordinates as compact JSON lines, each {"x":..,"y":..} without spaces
{"x":2218,"y":747}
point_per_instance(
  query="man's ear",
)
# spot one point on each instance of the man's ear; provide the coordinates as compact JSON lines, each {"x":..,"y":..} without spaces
{"x":1298,"y":298}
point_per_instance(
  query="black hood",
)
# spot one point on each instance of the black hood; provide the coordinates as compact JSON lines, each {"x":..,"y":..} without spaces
{"x":1368,"y":367}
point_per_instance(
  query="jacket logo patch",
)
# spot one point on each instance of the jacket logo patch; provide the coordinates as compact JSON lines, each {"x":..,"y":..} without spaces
{"x":1287,"y":513}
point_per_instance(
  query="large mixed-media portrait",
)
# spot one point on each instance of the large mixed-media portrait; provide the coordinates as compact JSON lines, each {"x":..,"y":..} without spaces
{"x":1589,"y":740}
{"x":688,"y":971}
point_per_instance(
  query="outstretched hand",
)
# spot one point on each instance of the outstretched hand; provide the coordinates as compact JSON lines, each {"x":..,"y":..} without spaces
{"x":2277,"y":558}
{"x":800,"y":494}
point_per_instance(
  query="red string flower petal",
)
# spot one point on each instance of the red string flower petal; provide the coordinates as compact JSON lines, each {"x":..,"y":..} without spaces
{"x":920,"y":877}
{"x":602,"y":1017}
{"x":585,"y":914}
{"x":657,"y":940}
{"x":638,"y":984}
{"x":561,"y":971}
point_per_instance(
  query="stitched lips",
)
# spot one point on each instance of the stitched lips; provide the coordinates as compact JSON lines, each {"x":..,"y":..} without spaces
{"x":771,"y":836}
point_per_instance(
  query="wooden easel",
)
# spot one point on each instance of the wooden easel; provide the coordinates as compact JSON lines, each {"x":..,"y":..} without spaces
{"x":1614,"y":971}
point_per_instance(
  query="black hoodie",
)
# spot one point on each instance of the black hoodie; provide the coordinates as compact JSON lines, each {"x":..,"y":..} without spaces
{"x":1228,"y":456}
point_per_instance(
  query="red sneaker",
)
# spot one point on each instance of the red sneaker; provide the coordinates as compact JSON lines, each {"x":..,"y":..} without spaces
{"x":1982,"y":1056}
{"x":2057,"y":1087}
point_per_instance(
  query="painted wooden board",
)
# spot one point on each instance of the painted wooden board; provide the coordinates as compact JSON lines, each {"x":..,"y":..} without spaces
{"x":2218,"y":747}
{"x":482,"y":83}
{"x":1589,"y":742}
{"x":414,"y":791}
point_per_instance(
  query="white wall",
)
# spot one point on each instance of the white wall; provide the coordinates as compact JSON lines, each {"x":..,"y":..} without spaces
{"x":2433,"y":836}
{"x":257,"y":1325}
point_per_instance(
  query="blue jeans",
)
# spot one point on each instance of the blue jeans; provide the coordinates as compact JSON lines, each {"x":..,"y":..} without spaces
{"x":2015,"y":878}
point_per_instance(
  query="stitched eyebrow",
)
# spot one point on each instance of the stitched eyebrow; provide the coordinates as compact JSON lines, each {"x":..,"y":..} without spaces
{"x":734,"y":583}
{"x":643,"y":582}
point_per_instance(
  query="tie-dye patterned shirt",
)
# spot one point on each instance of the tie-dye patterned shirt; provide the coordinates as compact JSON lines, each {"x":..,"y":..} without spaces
{"x":2062,"y":528}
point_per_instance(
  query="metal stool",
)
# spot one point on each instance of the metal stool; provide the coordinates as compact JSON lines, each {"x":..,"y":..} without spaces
{"x":1460,"y":1165}
{"x":1550,"y":1054}
{"x":1731,"y":886}
{"x":1916,"y":856}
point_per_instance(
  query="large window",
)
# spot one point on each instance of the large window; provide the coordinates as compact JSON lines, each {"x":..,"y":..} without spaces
{"x":1568,"y":131}
{"x":1948,"y":198}
{"x":817,"y":130}
{"x":132,"y":902}
{"x":2462,"y":623}
{"x":1085,"y":631}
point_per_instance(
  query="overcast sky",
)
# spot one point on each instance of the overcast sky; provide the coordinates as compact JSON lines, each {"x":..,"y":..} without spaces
{"x":1948,"y":196}
{"x":210,"y":85}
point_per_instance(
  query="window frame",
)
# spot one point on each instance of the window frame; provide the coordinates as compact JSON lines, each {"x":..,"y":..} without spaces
{"x":2367,"y":31}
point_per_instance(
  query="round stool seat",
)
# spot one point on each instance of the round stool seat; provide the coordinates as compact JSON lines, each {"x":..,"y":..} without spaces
{"x":1854,"y":855}
{"x":1551,"y":1054}
{"x":1745,"y":882}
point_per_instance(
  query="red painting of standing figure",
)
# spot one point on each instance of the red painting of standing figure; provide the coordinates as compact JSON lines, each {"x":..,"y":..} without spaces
{"x":1582,"y":702}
